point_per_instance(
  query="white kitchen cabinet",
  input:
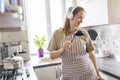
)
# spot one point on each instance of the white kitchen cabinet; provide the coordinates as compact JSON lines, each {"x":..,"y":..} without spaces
{"x":48,"y":73}
{"x":114,"y":11}
{"x":96,"y":12}
{"x":106,"y":76}
{"x":100,"y":11}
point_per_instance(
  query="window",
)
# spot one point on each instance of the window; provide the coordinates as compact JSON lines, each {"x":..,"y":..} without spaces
{"x":56,"y":14}
{"x":36,"y":21}
{"x":44,"y":16}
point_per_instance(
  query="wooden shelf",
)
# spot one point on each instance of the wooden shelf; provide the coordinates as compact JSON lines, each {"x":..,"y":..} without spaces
{"x":9,"y":14}
{"x":10,"y":22}
{"x":10,"y":29}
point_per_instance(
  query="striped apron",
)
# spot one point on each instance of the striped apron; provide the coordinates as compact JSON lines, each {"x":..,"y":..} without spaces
{"x":76,"y":64}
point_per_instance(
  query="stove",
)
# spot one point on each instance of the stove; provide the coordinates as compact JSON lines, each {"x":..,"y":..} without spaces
{"x":14,"y":74}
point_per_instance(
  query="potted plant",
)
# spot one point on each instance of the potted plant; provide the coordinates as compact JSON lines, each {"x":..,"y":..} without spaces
{"x":40,"y":43}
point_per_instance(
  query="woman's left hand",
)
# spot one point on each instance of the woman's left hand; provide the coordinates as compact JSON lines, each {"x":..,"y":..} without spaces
{"x":100,"y":78}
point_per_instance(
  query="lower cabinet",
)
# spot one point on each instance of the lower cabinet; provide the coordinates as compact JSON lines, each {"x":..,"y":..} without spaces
{"x":54,"y":73}
{"x":106,"y":76}
{"x":48,"y":73}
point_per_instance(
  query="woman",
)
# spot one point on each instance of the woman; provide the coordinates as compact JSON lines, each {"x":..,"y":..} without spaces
{"x":78,"y":61}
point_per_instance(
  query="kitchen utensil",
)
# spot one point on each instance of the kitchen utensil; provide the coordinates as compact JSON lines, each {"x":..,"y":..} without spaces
{"x":15,"y":62}
{"x":77,"y":33}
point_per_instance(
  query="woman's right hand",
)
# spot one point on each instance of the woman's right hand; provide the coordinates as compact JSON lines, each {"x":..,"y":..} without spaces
{"x":67,"y":45}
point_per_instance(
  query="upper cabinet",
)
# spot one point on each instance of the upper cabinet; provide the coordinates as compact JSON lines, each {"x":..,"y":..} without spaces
{"x":100,"y":11}
{"x":96,"y":12}
{"x":11,"y":15}
{"x":113,"y":11}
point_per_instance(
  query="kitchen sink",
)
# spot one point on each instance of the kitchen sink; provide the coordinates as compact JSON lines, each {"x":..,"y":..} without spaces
{"x":48,"y":59}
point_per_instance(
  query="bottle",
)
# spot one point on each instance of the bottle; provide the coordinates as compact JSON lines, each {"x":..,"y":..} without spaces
{"x":20,"y":46}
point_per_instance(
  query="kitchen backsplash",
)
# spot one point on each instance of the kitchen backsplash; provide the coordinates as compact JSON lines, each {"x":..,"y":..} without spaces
{"x":108,"y":38}
{"x":14,"y":36}
{"x":14,"y":42}
{"x":19,"y":37}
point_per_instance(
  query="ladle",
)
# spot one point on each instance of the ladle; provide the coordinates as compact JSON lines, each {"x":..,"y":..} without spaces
{"x":77,"y":33}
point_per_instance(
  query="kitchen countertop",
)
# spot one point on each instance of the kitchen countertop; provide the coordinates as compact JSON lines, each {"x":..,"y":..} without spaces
{"x":38,"y":63}
{"x":27,"y":65}
{"x":110,"y":66}
{"x":107,"y":65}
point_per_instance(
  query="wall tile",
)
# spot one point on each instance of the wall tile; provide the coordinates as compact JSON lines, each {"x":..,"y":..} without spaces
{"x":25,"y":46}
{"x":14,"y":36}
{"x":109,"y":36}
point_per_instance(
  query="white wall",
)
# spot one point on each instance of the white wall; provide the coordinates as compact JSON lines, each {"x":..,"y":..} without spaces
{"x":96,"y":12}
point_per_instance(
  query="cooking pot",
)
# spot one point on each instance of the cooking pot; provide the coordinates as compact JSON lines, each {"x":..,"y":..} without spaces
{"x":15,"y":62}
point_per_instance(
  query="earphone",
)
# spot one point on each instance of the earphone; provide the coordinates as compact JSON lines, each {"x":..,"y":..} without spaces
{"x":70,"y":14}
